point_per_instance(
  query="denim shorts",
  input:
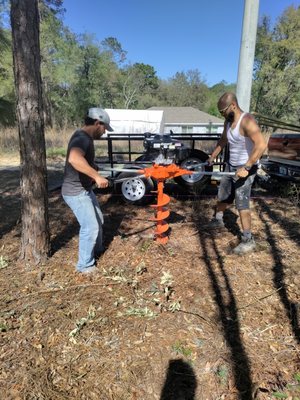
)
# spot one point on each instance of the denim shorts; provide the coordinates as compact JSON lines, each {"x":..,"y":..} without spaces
{"x":239,"y":189}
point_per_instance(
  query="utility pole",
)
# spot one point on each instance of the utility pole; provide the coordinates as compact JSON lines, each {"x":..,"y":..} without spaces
{"x":247,"y":51}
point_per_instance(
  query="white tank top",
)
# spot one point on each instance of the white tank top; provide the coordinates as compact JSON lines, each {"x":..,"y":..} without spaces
{"x":240,"y":147}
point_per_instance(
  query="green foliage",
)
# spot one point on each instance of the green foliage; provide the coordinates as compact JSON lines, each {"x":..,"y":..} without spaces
{"x":3,"y":262}
{"x":97,"y":78}
{"x":81,"y":323}
{"x":181,"y":349}
{"x":60,"y":56}
{"x":184,"y":90}
{"x":222,"y":373}
{"x":280,"y":395}
{"x":137,"y":80}
{"x":276,"y":89}
{"x":215,"y":93}
{"x":290,"y":391}
{"x":3,"y":327}
{"x":297,"y":377}
{"x":146,"y":245}
{"x":7,"y":97}
{"x":56,"y":151}
{"x":114,"y":48}
{"x":78,"y":72}
{"x":174,"y":306}
{"x":141,"y":312}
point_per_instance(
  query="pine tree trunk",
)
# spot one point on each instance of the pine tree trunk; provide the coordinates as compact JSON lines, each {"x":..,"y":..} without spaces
{"x":35,"y":241}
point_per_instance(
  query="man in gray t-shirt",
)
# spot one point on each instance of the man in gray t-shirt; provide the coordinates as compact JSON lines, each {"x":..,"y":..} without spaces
{"x":79,"y":176}
{"x":74,"y":180}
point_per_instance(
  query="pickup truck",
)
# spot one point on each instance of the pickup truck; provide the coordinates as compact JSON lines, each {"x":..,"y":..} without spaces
{"x":283,"y":157}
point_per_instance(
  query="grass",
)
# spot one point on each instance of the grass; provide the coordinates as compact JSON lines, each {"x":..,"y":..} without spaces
{"x":57,"y":140}
{"x":56,"y":151}
{"x":9,"y":140}
{"x":222,"y":373}
{"x":291,"y":390}
{"x":141,"y":312}
{"x":54,"y":138}
{"x":3,"y":262}
{"x":181,"y":349}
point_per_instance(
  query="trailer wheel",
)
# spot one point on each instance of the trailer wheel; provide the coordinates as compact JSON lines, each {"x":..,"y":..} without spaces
{"x":194,"y":182}
{"x":135,"y":190}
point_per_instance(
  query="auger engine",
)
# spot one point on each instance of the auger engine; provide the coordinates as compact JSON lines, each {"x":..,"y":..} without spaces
{"x":164,"y":149}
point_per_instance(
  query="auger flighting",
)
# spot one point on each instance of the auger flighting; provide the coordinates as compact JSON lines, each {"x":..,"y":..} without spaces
{"x":161,"y":173}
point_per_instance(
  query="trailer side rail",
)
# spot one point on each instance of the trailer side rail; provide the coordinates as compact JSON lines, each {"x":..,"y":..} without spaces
{"x":128,"y":153}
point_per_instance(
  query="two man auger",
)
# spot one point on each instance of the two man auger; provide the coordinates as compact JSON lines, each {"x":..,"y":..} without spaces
{"x":164,"y":167}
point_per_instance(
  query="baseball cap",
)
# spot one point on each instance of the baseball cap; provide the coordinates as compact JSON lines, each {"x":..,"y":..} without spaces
{"x":100,"y":115}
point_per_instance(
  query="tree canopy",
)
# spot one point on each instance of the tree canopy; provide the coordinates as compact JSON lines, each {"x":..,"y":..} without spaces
{"x":79,"y":71}
{"x":276,"y":89}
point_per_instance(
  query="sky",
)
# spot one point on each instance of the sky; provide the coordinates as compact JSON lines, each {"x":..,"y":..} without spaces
{"x":172,"y":35}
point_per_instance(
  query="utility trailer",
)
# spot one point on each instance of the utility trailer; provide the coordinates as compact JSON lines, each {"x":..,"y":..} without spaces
{"x":137,"y":151}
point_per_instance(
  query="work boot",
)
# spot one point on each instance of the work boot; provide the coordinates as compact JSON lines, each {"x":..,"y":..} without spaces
{"x":245,"y":246}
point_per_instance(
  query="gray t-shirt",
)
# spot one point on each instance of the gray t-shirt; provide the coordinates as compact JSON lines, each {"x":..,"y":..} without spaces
{"x":76,"y":182}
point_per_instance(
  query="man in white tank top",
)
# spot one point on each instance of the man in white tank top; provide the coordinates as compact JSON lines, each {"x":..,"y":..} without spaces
{"x":246,"y":146}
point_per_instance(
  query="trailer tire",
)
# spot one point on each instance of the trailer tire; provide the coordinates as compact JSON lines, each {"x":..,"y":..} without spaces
{"x":195,"y":182}
{"x":135,"y":190}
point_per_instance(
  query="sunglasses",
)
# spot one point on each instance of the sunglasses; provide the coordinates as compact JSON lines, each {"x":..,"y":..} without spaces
{"x":224,"y":109}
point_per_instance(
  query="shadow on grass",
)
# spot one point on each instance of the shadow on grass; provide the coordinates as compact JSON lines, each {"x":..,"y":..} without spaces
{"x":291,"y":308}
{"x":10,"y":197}
{"x":230,"y":220}
{"x":63,"y":226}
{"x":180,"y":382}
{"x":10,"y":200}
{"x":292,"y":228}
{"x":228,"y":315}
{"x":10,"y":214}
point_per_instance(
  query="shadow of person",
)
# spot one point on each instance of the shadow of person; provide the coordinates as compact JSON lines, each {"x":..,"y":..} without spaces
{"x":180,"y":383}
{"x":279,"y":266}
{"x":175,"y":218}
{"x":230,"y":220}
{"x":224,"y":298}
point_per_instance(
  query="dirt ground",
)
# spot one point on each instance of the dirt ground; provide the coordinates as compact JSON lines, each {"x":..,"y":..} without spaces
{"x":187,"y":320}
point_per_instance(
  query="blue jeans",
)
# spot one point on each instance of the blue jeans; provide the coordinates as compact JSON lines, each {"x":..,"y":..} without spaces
{"x":86,"y":209}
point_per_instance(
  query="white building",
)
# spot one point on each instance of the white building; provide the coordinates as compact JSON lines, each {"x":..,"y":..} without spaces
{"x":163,"y":119}
{"x":189,"y":120}
{"x":136,"y":121}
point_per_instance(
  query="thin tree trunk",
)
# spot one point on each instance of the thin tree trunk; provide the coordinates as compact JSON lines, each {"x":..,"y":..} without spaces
{"x":35,"y":241}
{"x":47,"y":107}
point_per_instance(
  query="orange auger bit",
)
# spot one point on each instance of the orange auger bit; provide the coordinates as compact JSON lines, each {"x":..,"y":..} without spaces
{"x":161,"y":214}
{"x":161,"y":173}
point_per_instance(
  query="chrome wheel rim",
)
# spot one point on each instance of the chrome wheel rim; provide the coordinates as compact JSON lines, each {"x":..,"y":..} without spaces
{"x":189,"y":163}
{"x":133,"y":189}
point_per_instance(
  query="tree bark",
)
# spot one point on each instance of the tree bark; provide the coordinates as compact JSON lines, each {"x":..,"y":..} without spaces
{"x":35,"y":240}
